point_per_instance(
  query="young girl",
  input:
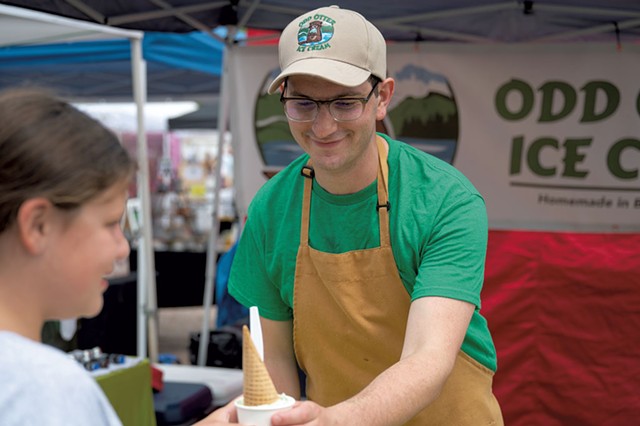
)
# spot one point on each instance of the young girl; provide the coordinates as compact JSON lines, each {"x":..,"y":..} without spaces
{"x":63,"y":189}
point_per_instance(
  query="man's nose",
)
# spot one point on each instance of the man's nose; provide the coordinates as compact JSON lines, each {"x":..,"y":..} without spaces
{"x":324,"y":123}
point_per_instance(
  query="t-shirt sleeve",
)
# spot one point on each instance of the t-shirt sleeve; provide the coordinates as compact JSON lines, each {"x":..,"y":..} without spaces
{"x":453,"y":257}
{"x":249,"y":281}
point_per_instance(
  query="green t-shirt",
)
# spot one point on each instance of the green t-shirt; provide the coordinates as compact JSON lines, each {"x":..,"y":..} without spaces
{"x":438,"y":227}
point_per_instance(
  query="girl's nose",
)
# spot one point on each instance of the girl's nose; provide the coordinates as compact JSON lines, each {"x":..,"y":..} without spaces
{"x":123,"y":248}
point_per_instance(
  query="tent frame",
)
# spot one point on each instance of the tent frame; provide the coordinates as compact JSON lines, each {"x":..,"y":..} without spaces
{"x":58,"y":29}
{"x":591,"y":19}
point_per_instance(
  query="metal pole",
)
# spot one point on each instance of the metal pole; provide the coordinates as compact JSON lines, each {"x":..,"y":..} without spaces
{"x":146,"y":276}
{"x":212,"y":246}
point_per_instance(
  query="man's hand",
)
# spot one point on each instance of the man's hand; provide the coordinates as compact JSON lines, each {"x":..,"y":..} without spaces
{"x":303,"y":413}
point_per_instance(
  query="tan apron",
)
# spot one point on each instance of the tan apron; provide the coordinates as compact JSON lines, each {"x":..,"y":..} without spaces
{"x":350,"y":316}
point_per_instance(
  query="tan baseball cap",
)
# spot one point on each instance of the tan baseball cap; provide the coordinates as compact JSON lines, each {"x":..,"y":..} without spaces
{"x":335,"y":44}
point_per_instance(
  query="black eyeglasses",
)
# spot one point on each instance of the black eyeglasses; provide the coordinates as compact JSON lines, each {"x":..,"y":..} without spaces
{"x":341,"y":109}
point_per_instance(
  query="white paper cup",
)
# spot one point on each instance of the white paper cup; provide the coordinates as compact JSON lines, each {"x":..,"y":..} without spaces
{"x":260,"y":415}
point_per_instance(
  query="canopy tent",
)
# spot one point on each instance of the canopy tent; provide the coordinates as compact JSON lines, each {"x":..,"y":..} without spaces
{"x":21,"y":27}
{"x":516,"y":255}
{"x":179,"y":66}
{"x":83,"y":64}
{"x":406,"y":20}
{"x":89,"y":62}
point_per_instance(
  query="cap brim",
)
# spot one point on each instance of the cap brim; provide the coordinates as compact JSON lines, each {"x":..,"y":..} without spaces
{"x":327,"y":69}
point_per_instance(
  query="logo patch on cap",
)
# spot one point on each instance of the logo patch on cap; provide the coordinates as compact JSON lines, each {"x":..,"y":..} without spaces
{"x":315,"y":32}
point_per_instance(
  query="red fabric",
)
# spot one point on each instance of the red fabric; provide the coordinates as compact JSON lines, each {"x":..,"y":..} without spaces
{"x":157,"y":382}
{"x":264,"y":37}
{"x":564,"y":311}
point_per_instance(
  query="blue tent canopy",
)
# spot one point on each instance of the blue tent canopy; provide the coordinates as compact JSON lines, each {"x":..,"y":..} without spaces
{"x":179,"y":66}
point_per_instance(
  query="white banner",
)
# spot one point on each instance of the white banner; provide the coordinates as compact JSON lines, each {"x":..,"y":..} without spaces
{"x":549,"y":134}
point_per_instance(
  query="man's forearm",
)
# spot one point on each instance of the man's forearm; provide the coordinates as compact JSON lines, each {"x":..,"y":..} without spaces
{"x":285,"y":377}
{"x":280,"y":357}
{"x":414,"y":382}
{"x":396,"y":395}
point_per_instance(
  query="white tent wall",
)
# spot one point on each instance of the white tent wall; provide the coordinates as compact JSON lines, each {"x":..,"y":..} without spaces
{"x":22,"y":27}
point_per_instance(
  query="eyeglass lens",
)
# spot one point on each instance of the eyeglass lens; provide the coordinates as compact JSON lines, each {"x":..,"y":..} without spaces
{"x":307,"y":109}
{"x":345,"y":109}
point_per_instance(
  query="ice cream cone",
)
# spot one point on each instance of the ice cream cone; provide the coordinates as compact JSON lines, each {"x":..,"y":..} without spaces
{"x":258,"y":386}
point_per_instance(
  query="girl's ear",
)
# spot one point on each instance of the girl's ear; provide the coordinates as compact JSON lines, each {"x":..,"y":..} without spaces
{"x":34,"y":222}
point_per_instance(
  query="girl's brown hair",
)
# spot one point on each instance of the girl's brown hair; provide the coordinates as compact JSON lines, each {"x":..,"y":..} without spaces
{"x":50,"y":149}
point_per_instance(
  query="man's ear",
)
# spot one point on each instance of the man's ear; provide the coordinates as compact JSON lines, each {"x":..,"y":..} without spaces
{"x":385,"y":93}
{"x":34,"y":221}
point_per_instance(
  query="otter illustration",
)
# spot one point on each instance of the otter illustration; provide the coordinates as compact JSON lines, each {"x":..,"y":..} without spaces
{"x":315,"y":32}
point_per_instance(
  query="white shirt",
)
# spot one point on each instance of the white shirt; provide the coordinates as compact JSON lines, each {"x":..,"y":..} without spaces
{"x":41,"y":385}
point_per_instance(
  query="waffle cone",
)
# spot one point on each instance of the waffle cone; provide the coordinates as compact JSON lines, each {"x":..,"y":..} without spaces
{"x":258,"y":386}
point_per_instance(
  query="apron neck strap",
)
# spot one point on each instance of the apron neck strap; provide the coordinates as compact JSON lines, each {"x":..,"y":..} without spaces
{"x":309,"y":174}
{"x":383,"y":193}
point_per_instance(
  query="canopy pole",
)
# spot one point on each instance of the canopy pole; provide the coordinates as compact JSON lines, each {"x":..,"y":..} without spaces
{"x":212,"y":246}
{"x":147,"y":305}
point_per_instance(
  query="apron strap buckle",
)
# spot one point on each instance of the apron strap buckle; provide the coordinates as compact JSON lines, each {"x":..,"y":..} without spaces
{"x":386,"y":206}
{"x":308,"y":172}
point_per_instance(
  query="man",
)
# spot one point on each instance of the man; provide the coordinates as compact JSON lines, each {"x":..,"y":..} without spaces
{"x":365,"y":256}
